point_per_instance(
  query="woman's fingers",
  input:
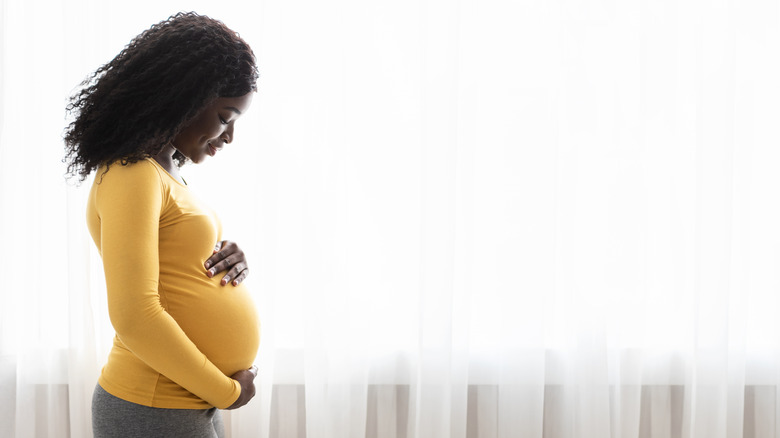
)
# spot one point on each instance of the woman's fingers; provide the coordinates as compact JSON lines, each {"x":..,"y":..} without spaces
{"x":223,"y":250}
{"x":236,"y":274}
{"x":241,"y":276}
{"x":229,"y":258}
{"x":224,"y":264}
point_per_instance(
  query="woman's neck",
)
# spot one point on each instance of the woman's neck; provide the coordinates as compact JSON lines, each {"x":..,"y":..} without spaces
{"x":165,"y":159}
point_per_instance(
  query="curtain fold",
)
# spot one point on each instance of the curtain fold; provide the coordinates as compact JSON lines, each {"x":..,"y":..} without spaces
{"x":470,"y":219}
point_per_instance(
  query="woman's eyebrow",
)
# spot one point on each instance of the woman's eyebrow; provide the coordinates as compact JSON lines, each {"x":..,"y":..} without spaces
{"x":232,"y":108}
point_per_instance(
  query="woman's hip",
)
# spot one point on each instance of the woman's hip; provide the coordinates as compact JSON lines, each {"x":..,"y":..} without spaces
{"x":114,"y":417}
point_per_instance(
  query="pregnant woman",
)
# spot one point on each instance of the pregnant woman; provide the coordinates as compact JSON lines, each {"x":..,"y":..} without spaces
{"x":186,"y":328}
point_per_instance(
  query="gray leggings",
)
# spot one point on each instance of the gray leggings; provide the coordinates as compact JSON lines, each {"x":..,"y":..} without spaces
{"x":113,"y":417}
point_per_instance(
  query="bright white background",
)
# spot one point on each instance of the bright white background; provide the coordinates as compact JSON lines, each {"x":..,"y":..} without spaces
{"x":467,"y":218}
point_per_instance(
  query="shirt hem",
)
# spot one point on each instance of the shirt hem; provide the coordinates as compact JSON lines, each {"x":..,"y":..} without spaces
{"x":150,"y":401}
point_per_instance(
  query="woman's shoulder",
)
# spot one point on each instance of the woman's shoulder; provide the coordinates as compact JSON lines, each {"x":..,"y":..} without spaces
{"x":141,"y":170}
{"x":142,"y":175}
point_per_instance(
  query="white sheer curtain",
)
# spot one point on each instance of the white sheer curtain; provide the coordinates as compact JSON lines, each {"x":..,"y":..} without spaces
{"x":465,"y":218}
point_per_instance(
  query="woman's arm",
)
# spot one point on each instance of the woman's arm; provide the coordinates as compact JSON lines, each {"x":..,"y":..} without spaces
{"x":129,"y":202}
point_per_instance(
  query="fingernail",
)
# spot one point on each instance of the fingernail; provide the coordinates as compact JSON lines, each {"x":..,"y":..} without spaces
{"x":210,"y":272}
{"x":207,"y":264}
{"x":235,"y":283}
{"x":225,"y":280}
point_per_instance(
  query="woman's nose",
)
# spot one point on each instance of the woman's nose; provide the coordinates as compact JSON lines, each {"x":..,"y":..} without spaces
{"x":227,"y":136}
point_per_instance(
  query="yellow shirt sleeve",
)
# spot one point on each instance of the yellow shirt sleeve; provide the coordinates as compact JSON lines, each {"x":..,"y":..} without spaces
{"x":129,"y":202}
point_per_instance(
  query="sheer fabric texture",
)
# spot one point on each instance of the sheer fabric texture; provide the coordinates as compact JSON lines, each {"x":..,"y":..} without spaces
{"x":469,"y":218}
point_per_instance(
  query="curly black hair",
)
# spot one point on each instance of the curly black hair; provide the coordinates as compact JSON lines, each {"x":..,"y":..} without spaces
{"x":133,"y":106}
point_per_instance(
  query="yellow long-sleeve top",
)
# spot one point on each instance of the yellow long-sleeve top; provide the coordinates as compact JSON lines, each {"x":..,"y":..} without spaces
{"x":179,"y":333}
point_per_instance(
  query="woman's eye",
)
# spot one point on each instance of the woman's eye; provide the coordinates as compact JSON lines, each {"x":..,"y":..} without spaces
{"x":223,"y":121}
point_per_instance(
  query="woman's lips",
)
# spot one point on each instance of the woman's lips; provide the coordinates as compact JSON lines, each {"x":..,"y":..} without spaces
{"x":212,"y":150}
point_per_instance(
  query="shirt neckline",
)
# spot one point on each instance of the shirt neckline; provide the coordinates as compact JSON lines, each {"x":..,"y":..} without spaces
{"x":159,"y":166}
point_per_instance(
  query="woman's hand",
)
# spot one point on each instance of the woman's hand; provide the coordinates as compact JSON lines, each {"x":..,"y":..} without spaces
{"x":227,"y":257}
{"x":246,"y":380}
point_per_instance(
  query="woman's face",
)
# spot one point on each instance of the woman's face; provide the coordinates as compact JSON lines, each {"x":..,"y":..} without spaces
{"x":213,"y":128}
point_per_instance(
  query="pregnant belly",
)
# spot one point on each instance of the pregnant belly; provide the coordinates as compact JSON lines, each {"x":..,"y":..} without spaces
{"x":220,"y":320}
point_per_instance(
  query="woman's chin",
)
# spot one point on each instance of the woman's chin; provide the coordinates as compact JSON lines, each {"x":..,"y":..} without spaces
{"x":198,"y":158}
